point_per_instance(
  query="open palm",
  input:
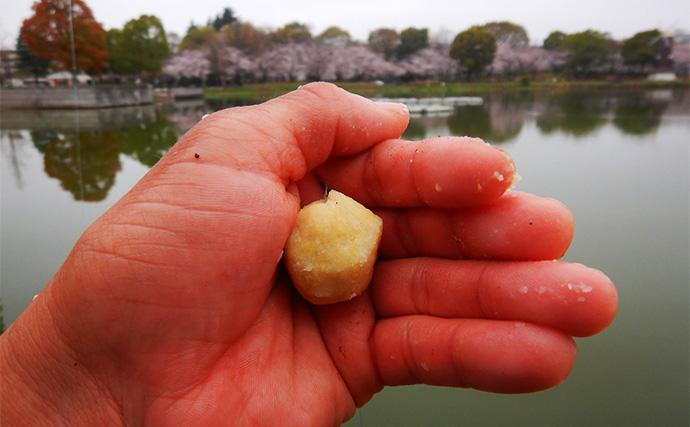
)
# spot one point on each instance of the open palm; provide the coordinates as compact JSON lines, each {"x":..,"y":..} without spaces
{"x":174,"y":309}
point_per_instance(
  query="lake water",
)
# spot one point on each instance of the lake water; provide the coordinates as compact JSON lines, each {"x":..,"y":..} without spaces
{"x":618,"y":160}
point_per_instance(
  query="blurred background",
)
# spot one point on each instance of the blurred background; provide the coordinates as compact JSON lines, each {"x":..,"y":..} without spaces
{"x":592,"y":101}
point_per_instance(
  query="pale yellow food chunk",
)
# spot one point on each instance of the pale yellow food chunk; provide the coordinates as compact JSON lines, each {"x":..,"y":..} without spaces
{"x":331,"y":252}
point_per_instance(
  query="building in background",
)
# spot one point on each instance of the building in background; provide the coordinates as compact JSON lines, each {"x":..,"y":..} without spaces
{"x":9,"y":68}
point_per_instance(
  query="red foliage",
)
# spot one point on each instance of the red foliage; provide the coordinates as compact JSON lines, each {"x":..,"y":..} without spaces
{"x":47,"y":34}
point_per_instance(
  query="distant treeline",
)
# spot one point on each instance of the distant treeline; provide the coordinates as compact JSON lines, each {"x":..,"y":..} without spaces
{"x":229,"y":51}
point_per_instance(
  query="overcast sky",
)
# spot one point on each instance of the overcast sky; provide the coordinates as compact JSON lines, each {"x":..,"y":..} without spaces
{"x":620,"y":18}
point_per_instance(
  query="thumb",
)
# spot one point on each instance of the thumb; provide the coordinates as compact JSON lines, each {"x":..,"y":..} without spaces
{"x":205,"y":228}
{"x":292,"y":134}
{"x":242,"y":164}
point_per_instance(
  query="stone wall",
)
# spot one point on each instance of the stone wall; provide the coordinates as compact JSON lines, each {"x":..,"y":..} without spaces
{"x":98,"y":96}
{"x":71,"y":119}
{"x":177,"y":93}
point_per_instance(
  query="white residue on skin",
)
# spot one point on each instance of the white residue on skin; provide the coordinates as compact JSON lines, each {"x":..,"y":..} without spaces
{"x":438,"y":187}
{"x":524,"y":290}
{"x":580,"y":288}
{"x":516,"y":179}
{"x":425,"y":367}
{"x":499,"y":176}
{"x":554,"y":295}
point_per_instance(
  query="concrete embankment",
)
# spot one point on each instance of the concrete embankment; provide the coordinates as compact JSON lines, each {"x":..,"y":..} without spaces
{"x":98,"y":96}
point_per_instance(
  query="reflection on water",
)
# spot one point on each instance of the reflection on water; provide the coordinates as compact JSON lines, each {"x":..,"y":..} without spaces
{"x":618,"y":160}
{"x":85,"y":163}
{"x":82,"y":149}
{"x":501,"y":118}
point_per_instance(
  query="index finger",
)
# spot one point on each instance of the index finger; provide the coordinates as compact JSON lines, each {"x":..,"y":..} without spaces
{"x":290,"y":135}
{"x":443,"y":172}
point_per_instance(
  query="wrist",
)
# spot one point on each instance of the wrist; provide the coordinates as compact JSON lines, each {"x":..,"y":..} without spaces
{"x":42,"y":379}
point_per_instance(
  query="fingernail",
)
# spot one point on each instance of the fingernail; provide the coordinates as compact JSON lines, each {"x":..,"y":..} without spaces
{"x":393,"y":107}
{"x":515,"y":180}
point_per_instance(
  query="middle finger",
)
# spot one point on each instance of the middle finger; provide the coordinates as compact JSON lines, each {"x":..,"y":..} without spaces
{"x":570,"y":297}
{"x":518,"y":226}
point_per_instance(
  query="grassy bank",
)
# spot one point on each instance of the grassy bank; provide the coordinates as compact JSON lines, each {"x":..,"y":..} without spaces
{"x":262,"y":92}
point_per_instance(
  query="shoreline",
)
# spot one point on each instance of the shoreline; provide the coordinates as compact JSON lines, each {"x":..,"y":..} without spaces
{"x":425,"y":89}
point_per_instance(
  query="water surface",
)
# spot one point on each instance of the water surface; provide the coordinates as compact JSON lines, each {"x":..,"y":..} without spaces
{"x":618,"y":160}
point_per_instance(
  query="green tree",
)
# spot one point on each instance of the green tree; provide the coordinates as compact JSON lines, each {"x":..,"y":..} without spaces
{"x":30,"y":63}
{"x":385,"y":42}
{"x":587,"y":51}
{"x":141,"y":46}
{"x":474,"y":49}
{"x":411,"y":40}
{"x":246,"y":37}
{"x":554,"y":40}
{"x":225,"y":18}
{"x":507,"y":33}
{"x":643,"y":48}
{"x":198,"y":37}
{"x":293,"y":32}
{"x":335,"y":36}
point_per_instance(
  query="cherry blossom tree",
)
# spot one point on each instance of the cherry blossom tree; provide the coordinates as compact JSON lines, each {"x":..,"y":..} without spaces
{"x":430,"y":63}
{"x":285,"y":62}
{"x":236,"y":65}
{"x":318,"y":57}
{"x":316,"y":61}
{"x":360,"y":63}
{"x":189,"y":63}
{"x":681,"y":58}
{"x":512,"y":59}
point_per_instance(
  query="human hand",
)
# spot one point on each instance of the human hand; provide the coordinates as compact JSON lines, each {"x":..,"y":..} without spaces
{"x":173,"y":309}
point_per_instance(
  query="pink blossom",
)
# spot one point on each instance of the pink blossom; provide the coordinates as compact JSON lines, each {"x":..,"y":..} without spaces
{"x":430,"y":63}
{"x":511,"y":59}
{"x":190,"y":63}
